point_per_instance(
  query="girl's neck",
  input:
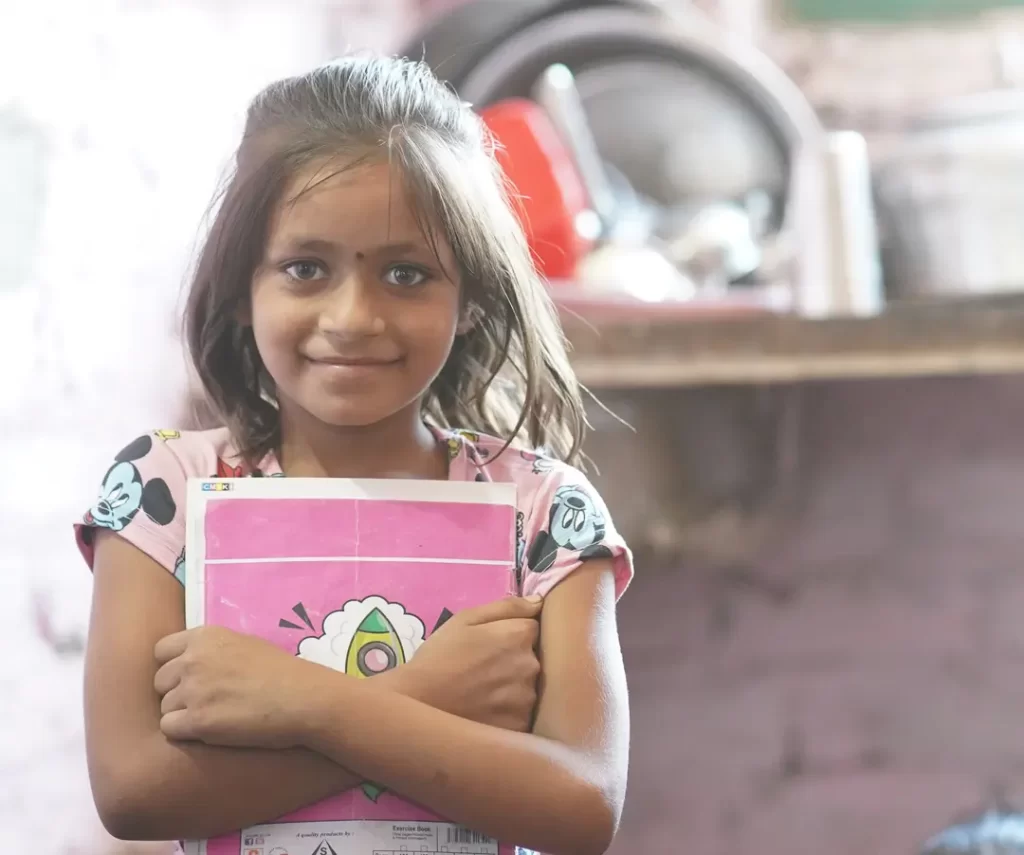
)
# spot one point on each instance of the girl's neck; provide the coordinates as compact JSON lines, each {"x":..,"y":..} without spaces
{"x":401,"y":446}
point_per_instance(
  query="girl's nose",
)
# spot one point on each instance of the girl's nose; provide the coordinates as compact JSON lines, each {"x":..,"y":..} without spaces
{"x":352,"y":310}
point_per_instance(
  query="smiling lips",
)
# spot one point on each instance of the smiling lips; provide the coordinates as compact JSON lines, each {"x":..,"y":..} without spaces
{"x":352,"y":361}
{"x":347,"y":370}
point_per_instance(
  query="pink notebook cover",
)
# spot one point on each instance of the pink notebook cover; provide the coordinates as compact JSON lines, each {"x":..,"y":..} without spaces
{"x":354,"y":575}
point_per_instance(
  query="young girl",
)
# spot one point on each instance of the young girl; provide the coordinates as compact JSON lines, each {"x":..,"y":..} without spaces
{"x":365,"y":287}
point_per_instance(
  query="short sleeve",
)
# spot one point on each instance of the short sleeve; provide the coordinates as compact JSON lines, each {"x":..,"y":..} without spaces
{"x":142,"y":499}
{"x":567,"y":524}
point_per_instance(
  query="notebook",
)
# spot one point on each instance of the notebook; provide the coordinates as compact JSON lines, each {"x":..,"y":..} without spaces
{"x":354,"y":575}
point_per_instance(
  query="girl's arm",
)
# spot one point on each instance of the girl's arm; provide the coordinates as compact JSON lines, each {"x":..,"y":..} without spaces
{"x":145,"y":786}
{"x":558,"y":790}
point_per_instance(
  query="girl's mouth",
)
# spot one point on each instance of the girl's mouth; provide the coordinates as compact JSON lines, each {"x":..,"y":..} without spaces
{"x":353,"y":361}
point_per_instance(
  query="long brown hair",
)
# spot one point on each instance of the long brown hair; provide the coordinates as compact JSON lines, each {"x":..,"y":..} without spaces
{"x":509,"y":375}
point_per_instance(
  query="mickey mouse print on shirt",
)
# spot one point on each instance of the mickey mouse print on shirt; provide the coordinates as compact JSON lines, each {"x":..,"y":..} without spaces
{"x":575,"y":523}
{"x":124,"y":493}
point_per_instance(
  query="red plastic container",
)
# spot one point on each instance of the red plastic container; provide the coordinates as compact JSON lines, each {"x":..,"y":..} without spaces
{"x":551,"y":195}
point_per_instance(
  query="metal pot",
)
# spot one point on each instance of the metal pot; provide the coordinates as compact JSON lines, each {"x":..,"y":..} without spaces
{"x":952,"y":201}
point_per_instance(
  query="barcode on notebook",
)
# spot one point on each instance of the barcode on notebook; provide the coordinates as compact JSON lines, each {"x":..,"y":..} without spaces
{"x":465,"y":835}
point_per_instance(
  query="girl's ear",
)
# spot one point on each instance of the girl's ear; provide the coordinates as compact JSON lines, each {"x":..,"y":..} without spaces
{"x":243,"y":314}
{"x":470,"y":316}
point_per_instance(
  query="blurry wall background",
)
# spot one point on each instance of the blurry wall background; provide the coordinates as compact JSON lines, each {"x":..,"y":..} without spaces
{"x":846,"y":684}
{"x":117,"y":118}
{"x":841,"y":674}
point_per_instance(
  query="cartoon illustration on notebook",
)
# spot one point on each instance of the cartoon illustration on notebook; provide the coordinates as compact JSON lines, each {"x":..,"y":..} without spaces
{"x":363,"y":638}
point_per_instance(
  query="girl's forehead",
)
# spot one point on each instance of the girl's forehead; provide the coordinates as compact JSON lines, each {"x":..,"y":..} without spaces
{"x":338,"y":174}
{"x":363,"y":203}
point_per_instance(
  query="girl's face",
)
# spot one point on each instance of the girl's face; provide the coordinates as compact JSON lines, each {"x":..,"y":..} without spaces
{"x":352,"y":313}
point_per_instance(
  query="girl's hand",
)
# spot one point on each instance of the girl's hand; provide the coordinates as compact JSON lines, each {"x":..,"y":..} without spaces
{"x":482,"y":665}
{"x":224,"y":688}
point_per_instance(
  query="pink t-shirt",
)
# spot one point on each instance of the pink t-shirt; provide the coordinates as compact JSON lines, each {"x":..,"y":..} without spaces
{"x":561,"y":519}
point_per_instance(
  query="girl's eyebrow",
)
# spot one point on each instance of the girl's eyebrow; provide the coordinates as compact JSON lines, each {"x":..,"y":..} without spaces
{"x":325,"y":245}
{"x":309,"y":245}
{"x":399,"y":248}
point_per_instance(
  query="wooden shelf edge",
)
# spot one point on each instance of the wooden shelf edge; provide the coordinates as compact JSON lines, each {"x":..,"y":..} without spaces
{"x":909,"y":341}
{"x":637,"y":374}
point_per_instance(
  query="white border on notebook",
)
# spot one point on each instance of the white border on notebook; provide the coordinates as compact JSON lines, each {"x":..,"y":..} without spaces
{"x":393,"y":489}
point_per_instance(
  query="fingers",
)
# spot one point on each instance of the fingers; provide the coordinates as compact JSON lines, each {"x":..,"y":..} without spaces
{"x":177,"y":725}
{"x":517,"y":704}
{"x":510,"y":608}
{"x":171,"y":647}
{"x":525,"y":631}
{"x":172,"y":702}
{"x":167,"y":677}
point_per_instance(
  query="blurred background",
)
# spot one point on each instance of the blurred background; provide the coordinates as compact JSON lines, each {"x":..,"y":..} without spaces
{"x":789,"y":251}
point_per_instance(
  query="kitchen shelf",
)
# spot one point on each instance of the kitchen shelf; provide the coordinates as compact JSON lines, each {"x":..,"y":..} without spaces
{"x":630,"y":349}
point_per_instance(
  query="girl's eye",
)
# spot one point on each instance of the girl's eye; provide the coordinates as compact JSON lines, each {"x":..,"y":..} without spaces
{"x":405,"y":276}
{"x":305,"y":271}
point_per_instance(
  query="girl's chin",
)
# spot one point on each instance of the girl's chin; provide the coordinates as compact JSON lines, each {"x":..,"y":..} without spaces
{"x":351,"y":409}
{"x":349,"y":415}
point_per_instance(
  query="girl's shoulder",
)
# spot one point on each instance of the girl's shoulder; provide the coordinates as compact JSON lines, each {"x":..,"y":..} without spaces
{"x":514,"y":463}
{"x":562,"y":520}
{"x":202,"y":453}
{"x":177,"y":455}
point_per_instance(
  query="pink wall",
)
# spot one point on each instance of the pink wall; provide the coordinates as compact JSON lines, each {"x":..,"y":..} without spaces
{"x":859,"y":685}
